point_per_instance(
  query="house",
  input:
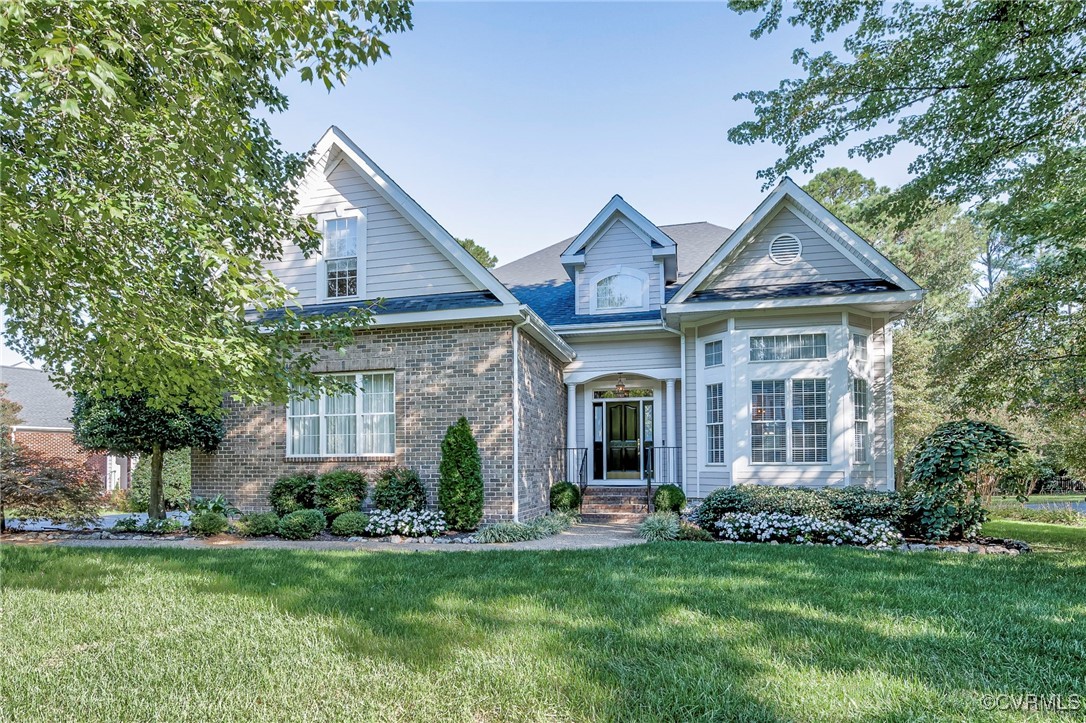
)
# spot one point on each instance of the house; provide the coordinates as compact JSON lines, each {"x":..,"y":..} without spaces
{"x":629,"y":354}
{"x":46,"y":426}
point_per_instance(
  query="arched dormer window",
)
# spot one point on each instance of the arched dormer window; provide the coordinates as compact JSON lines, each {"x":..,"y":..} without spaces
{"x":619,"y":289}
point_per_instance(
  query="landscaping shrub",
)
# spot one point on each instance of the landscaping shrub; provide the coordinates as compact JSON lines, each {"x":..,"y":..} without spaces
{"x":302,"y":524}
{"x":692,"y":533}
{"x":258,"y":524}
{"x":398,"y":489}
{"x":212,"y":504}
{"x":176,"y":481}
{"x":292,"y":493}
{"x":208,"y":523}
{"x":340,"y":491}
{"x":565,"y":497}
{"x":659,"y":526}
{"x":855,"y":504}
{"x":537,"y":529}
{"x":1052,"y":514}
{"x":669,"y":498}
{"x":350,"y":524}
{"x":152,"y":526}
{"x":754,"y":499}
{"x":942,"y":500}
{"x":126,"y":524}
{"x":460,"y":484}
{"x":412,"y":523}
{"x":803,"y":529}
{"x":33,"y":485}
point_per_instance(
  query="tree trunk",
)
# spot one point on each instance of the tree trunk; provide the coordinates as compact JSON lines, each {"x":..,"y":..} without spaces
{"x":155,"y":509}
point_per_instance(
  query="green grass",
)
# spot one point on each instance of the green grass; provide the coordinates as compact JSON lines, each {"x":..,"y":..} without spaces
{"x":667,"y":631}
{"x":1041,"y":499}
{"x":1040,"y":535}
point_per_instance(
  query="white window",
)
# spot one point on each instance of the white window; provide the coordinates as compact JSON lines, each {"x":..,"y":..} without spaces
{"x":809,"y":423}
{"x":340,"y":254}
{"x":352,"y":423}
{"x":714,"y":424}
{"x":860,"y":405}
{"x":714,"y":353}
{"x":789,"y":347}
{"x":768,"y":422}
{"x":859,"y":347}
{"x":620,"y":291}
{"x":787,"y":427}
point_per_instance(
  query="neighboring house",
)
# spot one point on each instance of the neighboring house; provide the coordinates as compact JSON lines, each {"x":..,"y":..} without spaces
{"x":46,"y":425}
{"x":630,"y":353}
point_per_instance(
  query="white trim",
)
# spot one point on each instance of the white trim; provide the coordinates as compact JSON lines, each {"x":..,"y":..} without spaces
{"x":361,"y":246}
{"x":704,"y":376}
{"x":334,"y":138}
{"x":784,"y":191}
{"x":322,"y":437}
{"x":33,"y":428}
{"x":683,"y":411}
{"x":516,"y":420}
{"x":891,"y":300}
{"x":888,"y":352}
{"x":587,"y":376}
{"x":657,"y":399}
{"x":617,"y":206}
{"x":594,"y":281}
{"x":610,"y":327}
{"x":798,"y":249}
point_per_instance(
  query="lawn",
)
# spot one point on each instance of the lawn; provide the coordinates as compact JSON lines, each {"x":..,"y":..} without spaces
{"x":670,"y":631}
{"x":1041,"y":535}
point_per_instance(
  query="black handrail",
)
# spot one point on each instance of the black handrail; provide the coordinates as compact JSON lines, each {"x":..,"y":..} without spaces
{"x":574,"y":465}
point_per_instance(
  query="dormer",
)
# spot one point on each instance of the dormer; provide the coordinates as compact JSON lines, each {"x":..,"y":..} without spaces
{"x":620,"y":262}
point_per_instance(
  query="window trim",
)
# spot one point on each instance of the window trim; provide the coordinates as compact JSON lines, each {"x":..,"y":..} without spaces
{"x":704,"y":377}
{"x":359,"y":416}
{"x":595,"y":279}
{"x":785,"y":334}
{"x":722,"y":424}
{"x":360,"y":254}
{"x":866,"y":421}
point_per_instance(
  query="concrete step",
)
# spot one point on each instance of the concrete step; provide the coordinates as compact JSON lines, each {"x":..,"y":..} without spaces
{"x":613,"y":518}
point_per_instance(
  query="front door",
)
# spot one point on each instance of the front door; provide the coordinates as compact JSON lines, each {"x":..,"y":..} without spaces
{"x":624,"y":440}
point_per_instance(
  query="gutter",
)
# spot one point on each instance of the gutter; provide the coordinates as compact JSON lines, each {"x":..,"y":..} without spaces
{"x":546,"y":335}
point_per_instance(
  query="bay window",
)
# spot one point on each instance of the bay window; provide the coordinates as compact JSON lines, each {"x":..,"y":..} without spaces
{"x":789,"y":427}
{"x":358,"y":422}
{"x":861,"y":430}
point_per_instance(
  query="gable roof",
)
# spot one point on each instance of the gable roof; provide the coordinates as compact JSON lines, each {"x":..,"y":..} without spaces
{"x":617,"y":209}
{"x":540,"y":280}
{"x":43,"y":405}
{"x":822,"y":221}
{"x":336,"y":141}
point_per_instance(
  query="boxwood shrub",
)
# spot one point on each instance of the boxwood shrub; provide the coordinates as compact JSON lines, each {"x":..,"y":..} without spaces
{"x":208,"y":523}
{"x":339,"y":491}
{"x":302,"y":524}
{"x":350,"y":524}
{"x":851,"y":504}
{"x":258,"y":524}
{"x":668,"y":498}
{"x":399,"y":489}
{"x":565,"y":497}
{"x":293,"y":492}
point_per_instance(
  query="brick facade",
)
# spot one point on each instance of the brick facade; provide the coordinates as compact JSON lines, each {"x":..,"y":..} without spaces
{"x":441,"y":372}
{"x":542,"y":401}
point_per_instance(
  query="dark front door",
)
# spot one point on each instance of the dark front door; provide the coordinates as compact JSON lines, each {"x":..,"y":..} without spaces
{"x":624,"y":440}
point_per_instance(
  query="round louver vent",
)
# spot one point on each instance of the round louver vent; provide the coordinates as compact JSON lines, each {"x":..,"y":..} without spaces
{"x":785,"y":249}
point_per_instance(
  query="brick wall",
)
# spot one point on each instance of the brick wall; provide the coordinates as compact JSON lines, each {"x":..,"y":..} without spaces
{"x":60,"y":443}
{"x":441,"y":372}
{"x":542,"y":398}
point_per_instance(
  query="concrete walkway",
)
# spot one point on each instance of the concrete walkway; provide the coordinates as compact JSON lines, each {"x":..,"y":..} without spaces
{"x":582,"y":536}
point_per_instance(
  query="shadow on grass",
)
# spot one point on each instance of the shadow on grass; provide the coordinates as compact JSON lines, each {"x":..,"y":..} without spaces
{"x":666,"y":631}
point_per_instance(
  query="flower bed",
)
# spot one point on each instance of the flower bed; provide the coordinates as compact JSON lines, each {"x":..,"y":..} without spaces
{"x":804,"y":530}
{"x":411,"y":523}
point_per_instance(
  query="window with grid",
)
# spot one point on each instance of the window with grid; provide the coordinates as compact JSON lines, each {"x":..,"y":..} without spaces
{"x":859,"y":348}
{"x":714,"y":424}
{"x":768,"y":424}
{"x":341,"y":257}
{"x":358,"y":422}
{"x":714,"y":353}
{"x":809,"y":423}
{"x":861,"y":430}
{"x":788,"y":347}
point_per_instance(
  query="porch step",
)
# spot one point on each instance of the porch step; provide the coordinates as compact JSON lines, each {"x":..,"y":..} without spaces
{"x":612,"y":518}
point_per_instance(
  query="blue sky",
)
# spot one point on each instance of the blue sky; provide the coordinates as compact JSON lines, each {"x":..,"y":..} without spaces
{"x":514,"y":123}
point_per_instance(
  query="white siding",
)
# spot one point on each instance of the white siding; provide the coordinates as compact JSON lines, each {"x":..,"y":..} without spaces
{"x":618,"y":245}
{"x":399,"y":260}
{"x":819,"y":261}
{"x":628,"y":354}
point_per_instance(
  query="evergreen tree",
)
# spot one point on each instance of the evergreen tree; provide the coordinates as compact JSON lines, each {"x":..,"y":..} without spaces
{"x":460,"y":488}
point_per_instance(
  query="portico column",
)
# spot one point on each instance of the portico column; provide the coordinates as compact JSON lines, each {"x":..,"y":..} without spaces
{"x":571,"y":430}
{"x":669,"y":397}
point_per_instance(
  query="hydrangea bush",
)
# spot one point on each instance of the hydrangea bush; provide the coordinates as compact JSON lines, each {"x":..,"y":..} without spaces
{"x":804,"y":529}
{"x":413,"y":523}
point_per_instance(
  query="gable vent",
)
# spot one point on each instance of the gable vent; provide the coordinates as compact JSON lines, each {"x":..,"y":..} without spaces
{"x":785,"y":249}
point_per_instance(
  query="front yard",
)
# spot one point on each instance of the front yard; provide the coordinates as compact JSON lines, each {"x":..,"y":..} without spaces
{"x":666,"y":631}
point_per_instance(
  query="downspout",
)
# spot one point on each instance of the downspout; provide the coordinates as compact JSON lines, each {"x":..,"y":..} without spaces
{"x":516,"y":418}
